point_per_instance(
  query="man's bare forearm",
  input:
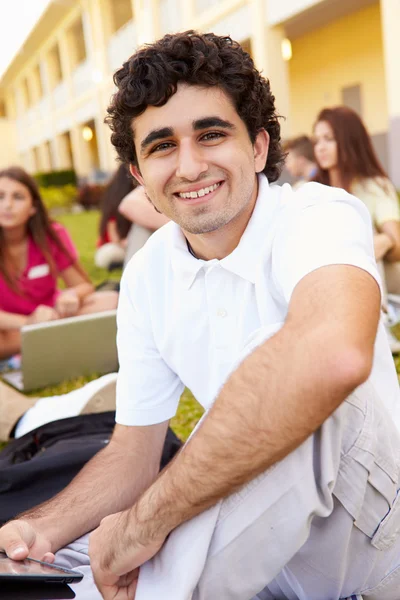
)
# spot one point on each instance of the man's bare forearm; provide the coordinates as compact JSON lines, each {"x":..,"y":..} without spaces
{"x":110,"y":482}
{"x":277,"y":397}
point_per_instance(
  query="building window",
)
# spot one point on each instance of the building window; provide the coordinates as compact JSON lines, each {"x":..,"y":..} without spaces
{"x":37,"y":83}
{"x":246,"y":45}
{"x":66,"y":160}
{"x":351,"y":97}
{"x":26,"y":93}
{"x":76,"y":43}
{"x":91,"y":149}
{"x":203,"y":5}
{"x":54,"y":67}
{"x":121,"y":13}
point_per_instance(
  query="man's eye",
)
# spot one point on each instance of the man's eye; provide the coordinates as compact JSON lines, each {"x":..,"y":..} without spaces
{"x":212,"y":135}
{"x":161,"y":147}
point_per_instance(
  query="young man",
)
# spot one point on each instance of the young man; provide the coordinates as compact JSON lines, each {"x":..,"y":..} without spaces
{"x":265,"y":303}
{"x":300,"y":160}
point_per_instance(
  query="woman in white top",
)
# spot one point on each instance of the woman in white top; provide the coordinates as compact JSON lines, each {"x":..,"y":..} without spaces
{"x":345,"y":158}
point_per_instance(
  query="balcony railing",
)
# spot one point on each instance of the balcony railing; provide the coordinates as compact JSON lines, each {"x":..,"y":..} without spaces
{"x":121,"y":45}
{"x":202,"y":5}
{"x":32,"y":116}
{"x":278,"y":12}
{"x":170,"y":16}
{"x":44,"y":108}
{"x":82,"y":78}
{"x":60,"y":95}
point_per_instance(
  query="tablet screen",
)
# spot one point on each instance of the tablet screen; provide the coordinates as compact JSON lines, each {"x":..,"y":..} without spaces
{"x":29,"y":568}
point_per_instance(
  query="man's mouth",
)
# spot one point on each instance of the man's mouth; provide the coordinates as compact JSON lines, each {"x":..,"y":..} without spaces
{"x":199,"y":193}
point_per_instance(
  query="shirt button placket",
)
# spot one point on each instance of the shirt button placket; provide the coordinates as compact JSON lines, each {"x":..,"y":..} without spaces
{"x":218,"y":312}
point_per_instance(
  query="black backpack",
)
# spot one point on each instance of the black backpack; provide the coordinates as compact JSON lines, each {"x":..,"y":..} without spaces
{"x":41,"y":463}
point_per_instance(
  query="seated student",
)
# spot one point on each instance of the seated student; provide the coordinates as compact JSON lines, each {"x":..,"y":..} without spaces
{"x":114,"y":227}
{"x":144,"y":217}
{"x":346,"y":159}
{"x":300,"y":160}
{"x":20,"y":414}
{"x":266,"y":303}
{"x":34,"y":251}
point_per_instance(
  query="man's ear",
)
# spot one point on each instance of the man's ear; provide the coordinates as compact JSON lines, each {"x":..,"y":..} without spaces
{"x":260,"y":147}
{"x":136,"y":174}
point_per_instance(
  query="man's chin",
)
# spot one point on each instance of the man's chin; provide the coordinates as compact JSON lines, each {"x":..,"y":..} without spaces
{"x":202,"y":228}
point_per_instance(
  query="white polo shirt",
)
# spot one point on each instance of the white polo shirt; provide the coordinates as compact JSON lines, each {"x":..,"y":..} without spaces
{"x":183,"y":321}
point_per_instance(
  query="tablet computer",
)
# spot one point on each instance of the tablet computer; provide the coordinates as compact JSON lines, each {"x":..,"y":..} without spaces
{"x":31,"y":569}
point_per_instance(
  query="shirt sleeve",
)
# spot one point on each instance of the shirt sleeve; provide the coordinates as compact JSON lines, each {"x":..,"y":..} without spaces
{"x":386,"y":203}
{"x":148,"y":391}
{"x":333,"y":232}
{"x":63,"y":260}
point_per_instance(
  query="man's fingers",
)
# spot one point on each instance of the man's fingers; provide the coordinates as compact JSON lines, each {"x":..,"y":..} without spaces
{"x":17,"y":550}
{"x":49,"y":557}
{"x":13,"y":544}
{"x":16,"y":538}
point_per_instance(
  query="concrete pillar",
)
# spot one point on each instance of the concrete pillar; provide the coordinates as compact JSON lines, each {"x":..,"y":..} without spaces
{"x":37,"y":84}
{"x":10,"y":100}
{"x":19,"y":102}
{"x":146,"y":16}
{"x":187,"y":9}
{"x":267,"y":54}
{"x":65,"y":60}
{"x":62,"y":153}
{"x":64,"y":55}
{"x":97,"y":10}
{"x":29,"y":162}
{"x":44,"y":75}
{"x":45,"y":159}
{"x":390,"y":13}
{"x":103,"y":140}
{"x":87,"y":32}
{"x":80,"y":152}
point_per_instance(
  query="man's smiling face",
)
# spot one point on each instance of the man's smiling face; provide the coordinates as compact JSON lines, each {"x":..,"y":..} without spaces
{"x":196,"y":159}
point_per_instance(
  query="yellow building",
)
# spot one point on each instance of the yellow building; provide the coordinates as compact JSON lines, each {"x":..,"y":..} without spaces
{"x":316,"y":53}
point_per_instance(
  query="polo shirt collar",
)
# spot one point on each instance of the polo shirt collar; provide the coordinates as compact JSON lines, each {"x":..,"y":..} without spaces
{"x":242,"y":261}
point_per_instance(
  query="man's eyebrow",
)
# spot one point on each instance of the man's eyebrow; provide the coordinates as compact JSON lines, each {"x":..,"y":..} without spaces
{"x":208,"y":122}
{"x":156,"y":134}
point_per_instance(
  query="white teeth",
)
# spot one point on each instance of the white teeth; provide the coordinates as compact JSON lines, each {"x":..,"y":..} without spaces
{"x":199,"y":193}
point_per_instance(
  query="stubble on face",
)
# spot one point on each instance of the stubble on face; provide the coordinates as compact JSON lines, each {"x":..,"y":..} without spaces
{"x":230,"y":161}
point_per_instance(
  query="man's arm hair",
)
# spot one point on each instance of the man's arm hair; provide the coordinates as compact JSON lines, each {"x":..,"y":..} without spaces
{"x":277,"y":397}
{"x":110,"y":482}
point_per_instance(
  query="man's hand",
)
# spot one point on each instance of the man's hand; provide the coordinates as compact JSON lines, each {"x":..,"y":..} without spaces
{"x":67,"y":303}
{"x":42,"y":314}
{"x":18,"y":539}
{"x":117,"y":548}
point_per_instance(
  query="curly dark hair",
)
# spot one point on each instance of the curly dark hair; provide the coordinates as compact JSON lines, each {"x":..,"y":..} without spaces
{"x":151,"y":76}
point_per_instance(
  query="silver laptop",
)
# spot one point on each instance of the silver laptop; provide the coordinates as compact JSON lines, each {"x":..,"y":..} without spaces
{"x":67,"y":348}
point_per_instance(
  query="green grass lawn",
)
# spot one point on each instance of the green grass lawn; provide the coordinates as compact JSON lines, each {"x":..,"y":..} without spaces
{"x":83,"y":229}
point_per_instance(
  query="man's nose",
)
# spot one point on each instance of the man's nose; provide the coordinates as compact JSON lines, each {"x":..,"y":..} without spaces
{"x":191,"y":163}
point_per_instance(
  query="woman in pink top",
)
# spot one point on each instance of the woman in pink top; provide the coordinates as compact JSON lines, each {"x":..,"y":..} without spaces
{"x":34,"y":252}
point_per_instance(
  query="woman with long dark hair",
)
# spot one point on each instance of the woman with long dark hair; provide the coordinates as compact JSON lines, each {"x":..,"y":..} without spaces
{"x":346,"y":158}
{"x":34,"y":252}
{"x":114,"y":227}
